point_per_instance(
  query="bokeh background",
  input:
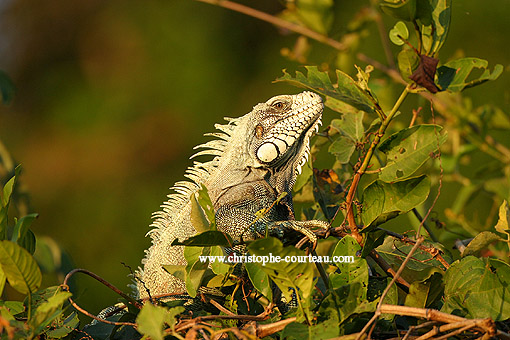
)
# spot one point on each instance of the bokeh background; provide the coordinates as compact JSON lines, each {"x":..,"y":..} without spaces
{"x":112,"y":96}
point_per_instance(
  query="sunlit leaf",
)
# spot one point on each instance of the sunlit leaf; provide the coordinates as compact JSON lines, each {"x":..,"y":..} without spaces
{"x":399,"y":33}
{"x":286,"y":275}
{"x":434,"y":35}
{"x":504,"y":218}
{"x":423,"y":293}
{"x":152,"y":320}
{"x":217,"y":266}
{"x":19,"y":267}
{"x":48,"y":311}
{"x":477,"y":291}
{"x":350,"y":273}
{"x":408,"y":61}
{"x":346,"y":89}
{"x":195,"y":269}
{"x":350,"y":125}
{"x":69,"y":325}
{"x":198,"y":218}
{"x":479,"y":243}
{"x":342,"y":148}
{"x":260,"y":279}
{"x":453,"y":75}
{"x":408,"y":149}
{"x":421,"y":265}
{"x":380,"y":198}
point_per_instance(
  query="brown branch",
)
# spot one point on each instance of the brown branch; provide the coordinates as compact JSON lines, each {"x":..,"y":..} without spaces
{"x":277,"y":22}
{"x":387,"y":268}
{"x":485,"y":325}
{"x":104,"y":282}
{"x":65,"y":287}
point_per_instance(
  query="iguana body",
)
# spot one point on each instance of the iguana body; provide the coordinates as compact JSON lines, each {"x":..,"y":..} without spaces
{"x":257,"y":157}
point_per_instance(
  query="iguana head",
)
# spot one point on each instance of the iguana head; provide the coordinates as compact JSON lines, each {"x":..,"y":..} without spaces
{"x":283,"y":130}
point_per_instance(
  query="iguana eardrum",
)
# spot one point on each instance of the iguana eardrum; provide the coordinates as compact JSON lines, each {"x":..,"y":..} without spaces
{"x":257,"y":157}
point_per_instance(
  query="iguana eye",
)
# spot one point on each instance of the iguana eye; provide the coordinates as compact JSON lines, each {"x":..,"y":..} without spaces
{"x":278,"y":105}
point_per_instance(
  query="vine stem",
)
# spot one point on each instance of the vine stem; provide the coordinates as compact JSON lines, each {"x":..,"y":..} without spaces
{"x":368,"y":157}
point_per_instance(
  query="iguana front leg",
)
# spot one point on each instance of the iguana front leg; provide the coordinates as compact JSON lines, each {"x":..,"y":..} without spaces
{"x":303,"y":227}
{"x":238,"y":216}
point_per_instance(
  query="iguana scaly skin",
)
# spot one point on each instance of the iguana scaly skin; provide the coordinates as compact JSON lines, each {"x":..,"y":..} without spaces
{"x":257,"y":157}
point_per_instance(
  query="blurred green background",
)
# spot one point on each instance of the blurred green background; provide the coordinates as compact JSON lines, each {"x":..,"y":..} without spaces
{"x":112,"y":96}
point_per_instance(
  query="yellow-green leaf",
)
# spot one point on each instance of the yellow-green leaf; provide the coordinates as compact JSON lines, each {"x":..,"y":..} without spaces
{"x":19,"y":267}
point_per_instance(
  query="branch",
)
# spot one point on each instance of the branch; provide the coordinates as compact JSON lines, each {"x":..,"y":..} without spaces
{"x":277,"y":22}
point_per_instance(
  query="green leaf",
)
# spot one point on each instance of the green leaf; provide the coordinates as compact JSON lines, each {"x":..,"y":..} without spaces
{"x":48,"y":311}
{"x":260,"y":279}
{"x":198,"y":218}
{"x":207,"y":207}
{"x":342,"y":148}
{"x":403,"y":10}
{"x":217,"y":266}
{"x":6,"y":198}
{"x":19,"y":267}
{"x":373,"y":240}
{"x":424,"y":293}
{"x":327,"y":329}
{"x":434,"y":35}
{"x":7,"y":88}
{"x":195,"y":269}
{"x":408,"y":61}
{"x":478,"y":290}
{"x":206,"y":239}
{"x":420,"y":266}
{"x":504,"y":218}
{"x":292,"y":274}
{"x":350,"y":272}
{"x":346,"y":301}
{"x":381,"y":199}
{"x":14,"y":307}
{"x":70,"y":324}
{"x":409,"y":149}
{"x":152,"y":319}
{"x":22,"y":235}
{"x":346,"y":89}
{"x":350,"y":130}
{"x":453,"y":75}
{"x":479,"y":243}
{"x":350,"y":125}
{"x":3,"y":280}
{"x":179,"y":271}
{"x":399,"y":33}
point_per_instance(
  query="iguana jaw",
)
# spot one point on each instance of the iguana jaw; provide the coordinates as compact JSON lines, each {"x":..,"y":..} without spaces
{"x":289,"y":122}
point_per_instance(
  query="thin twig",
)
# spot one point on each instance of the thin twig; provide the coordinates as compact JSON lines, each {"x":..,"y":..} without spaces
{"x":65,"y":287}
{"x":378,"y":311}
{"x":104,"y":282}
{"x":277,"y":22}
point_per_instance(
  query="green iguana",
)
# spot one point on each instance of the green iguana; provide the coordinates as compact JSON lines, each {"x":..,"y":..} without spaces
{"x":257,"y":158}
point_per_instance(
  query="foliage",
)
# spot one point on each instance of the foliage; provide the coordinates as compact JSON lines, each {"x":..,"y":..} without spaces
{"x":392,"y":160}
